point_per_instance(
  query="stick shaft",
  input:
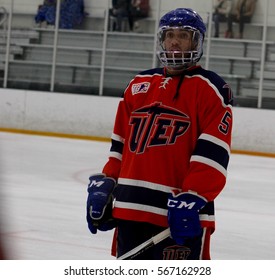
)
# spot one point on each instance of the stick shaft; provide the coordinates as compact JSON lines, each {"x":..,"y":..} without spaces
{"x":146,"y":245}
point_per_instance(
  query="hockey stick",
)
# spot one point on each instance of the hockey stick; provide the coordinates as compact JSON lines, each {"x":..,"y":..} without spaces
{"x":145,"y":245}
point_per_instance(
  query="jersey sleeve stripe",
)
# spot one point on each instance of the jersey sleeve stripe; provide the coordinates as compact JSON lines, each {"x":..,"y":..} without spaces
{"x":212,"y":151}
{"x":219,"y":95}
{"x":211,"y":163}
{"x":208,"y":218}
{"x":118,"y":138}
{"x":116,"y":146}
{"x":115,"y":155}
{"x":215,"y":140}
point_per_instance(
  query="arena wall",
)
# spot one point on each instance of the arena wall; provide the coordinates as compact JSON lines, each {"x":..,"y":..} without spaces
{"x":85,"y":115}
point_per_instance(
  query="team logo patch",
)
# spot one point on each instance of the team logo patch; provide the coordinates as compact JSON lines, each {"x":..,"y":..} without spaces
{"x":230,"y":93}
{"x":140,"y":88}
{"x":176,"y":252}
{"x":156,"y":125}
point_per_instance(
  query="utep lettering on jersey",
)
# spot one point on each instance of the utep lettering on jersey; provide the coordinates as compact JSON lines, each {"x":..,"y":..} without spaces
{"x":156,"y":125}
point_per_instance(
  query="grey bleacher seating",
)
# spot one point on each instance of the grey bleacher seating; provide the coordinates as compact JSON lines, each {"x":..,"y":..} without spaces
{"x":79,"y":60}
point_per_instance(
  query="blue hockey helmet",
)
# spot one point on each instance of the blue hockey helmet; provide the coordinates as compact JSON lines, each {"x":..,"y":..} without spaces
{"x":186,"y":19}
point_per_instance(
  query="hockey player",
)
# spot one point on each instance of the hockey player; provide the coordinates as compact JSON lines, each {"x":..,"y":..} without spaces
{"x":169,"y":153}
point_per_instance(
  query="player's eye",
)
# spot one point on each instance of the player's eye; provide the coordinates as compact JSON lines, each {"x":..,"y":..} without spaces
{"x":184,"y":35}
{"x":170,"y":35}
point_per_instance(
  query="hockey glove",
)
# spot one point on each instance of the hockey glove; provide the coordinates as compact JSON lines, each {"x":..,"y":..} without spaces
{"x":183,"y":215}
{"x":99,"y":203}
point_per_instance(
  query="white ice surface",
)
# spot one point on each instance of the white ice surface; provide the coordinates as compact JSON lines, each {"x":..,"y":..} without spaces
{"x":43,"y":199}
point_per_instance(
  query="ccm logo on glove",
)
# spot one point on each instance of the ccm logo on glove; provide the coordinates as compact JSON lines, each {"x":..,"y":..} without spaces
{"x":95,"y":183}
{"x":180,"y":204}
{"x":183,"y":215}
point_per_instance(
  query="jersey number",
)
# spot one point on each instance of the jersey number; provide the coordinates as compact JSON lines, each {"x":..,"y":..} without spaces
{"x":225,"y":123}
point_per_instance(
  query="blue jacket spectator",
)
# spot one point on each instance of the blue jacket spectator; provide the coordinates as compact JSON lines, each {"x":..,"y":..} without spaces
{"x":71,"y":13}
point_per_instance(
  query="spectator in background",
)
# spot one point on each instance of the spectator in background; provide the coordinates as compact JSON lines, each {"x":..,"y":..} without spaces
{"x":138,"y":9}
{"x":222,"y":9}
{"x":71,"y":13}
{"x":242,"y":14}
{"x":119,"y":10}
{"x":46,"y":13}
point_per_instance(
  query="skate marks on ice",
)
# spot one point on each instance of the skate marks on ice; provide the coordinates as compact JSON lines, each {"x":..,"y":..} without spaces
{"x":44,"y":189}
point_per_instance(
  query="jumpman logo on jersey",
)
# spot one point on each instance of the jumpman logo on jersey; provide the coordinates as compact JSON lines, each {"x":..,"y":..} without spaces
{"x":165,"y":82}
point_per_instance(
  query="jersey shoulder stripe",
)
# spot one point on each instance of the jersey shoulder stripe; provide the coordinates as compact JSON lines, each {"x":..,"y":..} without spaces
{"x":221,"y":88}
{"x":151,"y":72}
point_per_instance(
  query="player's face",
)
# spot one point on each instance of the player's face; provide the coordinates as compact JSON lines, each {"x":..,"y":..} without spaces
{"x":178,"y":40}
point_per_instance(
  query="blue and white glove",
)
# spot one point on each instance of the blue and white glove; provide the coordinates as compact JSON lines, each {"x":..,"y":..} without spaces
{"x":183,"y":215}
{"x":99,"y":203}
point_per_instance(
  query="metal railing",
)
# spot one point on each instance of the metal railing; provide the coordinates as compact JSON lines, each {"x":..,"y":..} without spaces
{"x":6,"y":22}
{"x":3,"y":20}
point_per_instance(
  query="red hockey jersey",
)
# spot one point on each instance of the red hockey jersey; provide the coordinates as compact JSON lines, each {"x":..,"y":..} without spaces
{"x":170,"y":133}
